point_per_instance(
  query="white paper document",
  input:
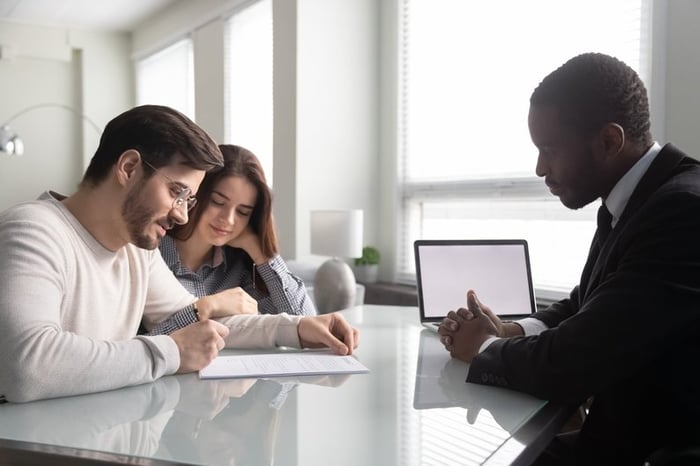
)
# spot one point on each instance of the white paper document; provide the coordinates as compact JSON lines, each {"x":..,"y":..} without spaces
{"x":280,"y":365}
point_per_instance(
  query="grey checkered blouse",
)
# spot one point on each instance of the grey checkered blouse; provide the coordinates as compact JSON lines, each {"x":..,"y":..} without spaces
{"x":232,"y":267}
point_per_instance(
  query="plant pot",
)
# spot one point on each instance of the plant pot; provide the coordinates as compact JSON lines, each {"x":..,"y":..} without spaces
{"x":366,"y":273}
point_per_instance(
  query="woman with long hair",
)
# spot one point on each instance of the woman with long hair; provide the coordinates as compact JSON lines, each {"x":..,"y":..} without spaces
{"x":229,"y":243}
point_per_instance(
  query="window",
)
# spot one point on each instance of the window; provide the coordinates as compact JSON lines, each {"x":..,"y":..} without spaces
{"x":466,"y":166}
{"x":167,"y":78}
{"x":248,"y":108}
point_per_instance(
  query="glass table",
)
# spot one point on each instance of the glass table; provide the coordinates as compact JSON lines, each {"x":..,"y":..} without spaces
{"x":413,"y":407}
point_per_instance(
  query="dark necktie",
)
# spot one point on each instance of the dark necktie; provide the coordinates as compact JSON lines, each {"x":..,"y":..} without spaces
{"x":604,"y":223}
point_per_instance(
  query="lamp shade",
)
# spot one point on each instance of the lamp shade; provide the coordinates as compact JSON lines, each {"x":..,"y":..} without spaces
{"x":336,"y":233}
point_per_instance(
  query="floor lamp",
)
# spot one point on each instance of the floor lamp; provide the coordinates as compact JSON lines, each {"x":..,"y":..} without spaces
{"x":11,"y":143}
{"x":336,"y":233}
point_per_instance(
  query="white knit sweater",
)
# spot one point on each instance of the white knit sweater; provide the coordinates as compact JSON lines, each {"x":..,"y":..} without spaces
{"x":70,"y":309}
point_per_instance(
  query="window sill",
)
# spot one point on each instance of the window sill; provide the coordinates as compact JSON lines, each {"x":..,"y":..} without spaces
{"x":400,"y":294}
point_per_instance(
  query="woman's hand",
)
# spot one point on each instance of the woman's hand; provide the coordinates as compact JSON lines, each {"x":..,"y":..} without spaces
{"x":328,"y":331}
{"x":226,"y":303}
{"x":250,"y":243}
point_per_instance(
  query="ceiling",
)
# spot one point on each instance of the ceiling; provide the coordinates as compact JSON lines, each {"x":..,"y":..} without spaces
{"x":105,"y":15}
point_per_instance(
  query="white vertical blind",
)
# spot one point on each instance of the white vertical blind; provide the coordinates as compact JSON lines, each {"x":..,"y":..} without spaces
{"x":248,"y":68}
{"x":167,"y":78}
{"x":466,"y":159}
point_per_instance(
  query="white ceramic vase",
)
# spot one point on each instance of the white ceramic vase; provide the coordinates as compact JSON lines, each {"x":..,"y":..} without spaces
{"x":366,"y":273}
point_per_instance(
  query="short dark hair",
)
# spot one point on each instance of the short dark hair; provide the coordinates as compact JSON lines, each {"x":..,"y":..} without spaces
{"x":238,"y":161}
{"x":162,"y":136}
{"x":593,"y":89}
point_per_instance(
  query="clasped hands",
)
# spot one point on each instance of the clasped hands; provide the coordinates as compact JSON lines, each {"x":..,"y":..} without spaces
{"x":463,"y":331}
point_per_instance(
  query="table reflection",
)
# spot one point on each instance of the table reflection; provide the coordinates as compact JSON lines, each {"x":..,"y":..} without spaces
{"x":128,"y":421}
{"x":241,"y":425}
{"x":179,"y":418}
{"x":492,"y":414}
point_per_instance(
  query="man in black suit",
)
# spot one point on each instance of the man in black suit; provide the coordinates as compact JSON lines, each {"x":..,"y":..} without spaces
{"x":629,"y":334}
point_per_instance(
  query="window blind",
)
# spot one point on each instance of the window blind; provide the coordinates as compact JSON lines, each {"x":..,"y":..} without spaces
{"x":167,"y":78}
{"x":466,"y":162}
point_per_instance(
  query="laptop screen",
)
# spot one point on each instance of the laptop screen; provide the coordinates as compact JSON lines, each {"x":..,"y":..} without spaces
{"x":497,"y":270}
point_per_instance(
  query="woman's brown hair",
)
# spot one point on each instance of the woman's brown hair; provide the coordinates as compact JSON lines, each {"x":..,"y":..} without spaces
{"x":238,"y":161}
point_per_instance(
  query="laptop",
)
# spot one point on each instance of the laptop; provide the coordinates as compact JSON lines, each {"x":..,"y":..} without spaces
{"x":497,"y":269}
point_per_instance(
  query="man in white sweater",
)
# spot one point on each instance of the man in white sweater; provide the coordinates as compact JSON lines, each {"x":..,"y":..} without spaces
{"x":79,"y":274}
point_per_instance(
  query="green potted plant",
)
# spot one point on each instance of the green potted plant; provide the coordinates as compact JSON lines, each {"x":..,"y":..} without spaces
{"x":367,"y":266}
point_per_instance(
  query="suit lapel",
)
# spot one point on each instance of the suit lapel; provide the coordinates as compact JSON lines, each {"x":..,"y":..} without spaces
{"x":660,"y":170}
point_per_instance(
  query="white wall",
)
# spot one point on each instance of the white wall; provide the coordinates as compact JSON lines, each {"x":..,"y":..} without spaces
{"x":284,"y":166}
{"x":682,"y":93}
{"x":86,"y":71}
{"x":337,"y":112}
{"x":387,"y":219}
{"x":209,"y":77}
{"x":326,"y":101}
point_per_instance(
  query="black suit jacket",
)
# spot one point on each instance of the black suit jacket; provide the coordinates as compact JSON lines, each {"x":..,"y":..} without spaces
{"x":629,"y":334}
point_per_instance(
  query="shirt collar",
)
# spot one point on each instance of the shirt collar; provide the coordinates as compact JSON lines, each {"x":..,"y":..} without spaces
{"x":623,"y":189}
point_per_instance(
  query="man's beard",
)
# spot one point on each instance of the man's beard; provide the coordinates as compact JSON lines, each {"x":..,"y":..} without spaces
{"x":138,"y":218}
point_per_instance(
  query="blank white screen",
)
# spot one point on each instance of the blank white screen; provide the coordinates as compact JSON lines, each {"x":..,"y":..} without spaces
{"x":496,"y":272}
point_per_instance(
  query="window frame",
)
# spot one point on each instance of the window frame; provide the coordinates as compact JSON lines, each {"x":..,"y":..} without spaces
{"x":497,"y":187}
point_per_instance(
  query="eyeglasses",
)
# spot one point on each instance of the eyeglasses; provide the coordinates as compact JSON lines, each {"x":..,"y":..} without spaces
{"x":184,"y":194}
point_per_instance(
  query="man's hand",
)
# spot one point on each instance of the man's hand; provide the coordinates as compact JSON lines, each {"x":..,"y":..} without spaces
{"x":497,"y":323}
{"x":199,"y":344}
{"x":328,"y":330}
{"x":463,"y":331}
{"x":229,"y":302}
{"x":503,"y":329}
